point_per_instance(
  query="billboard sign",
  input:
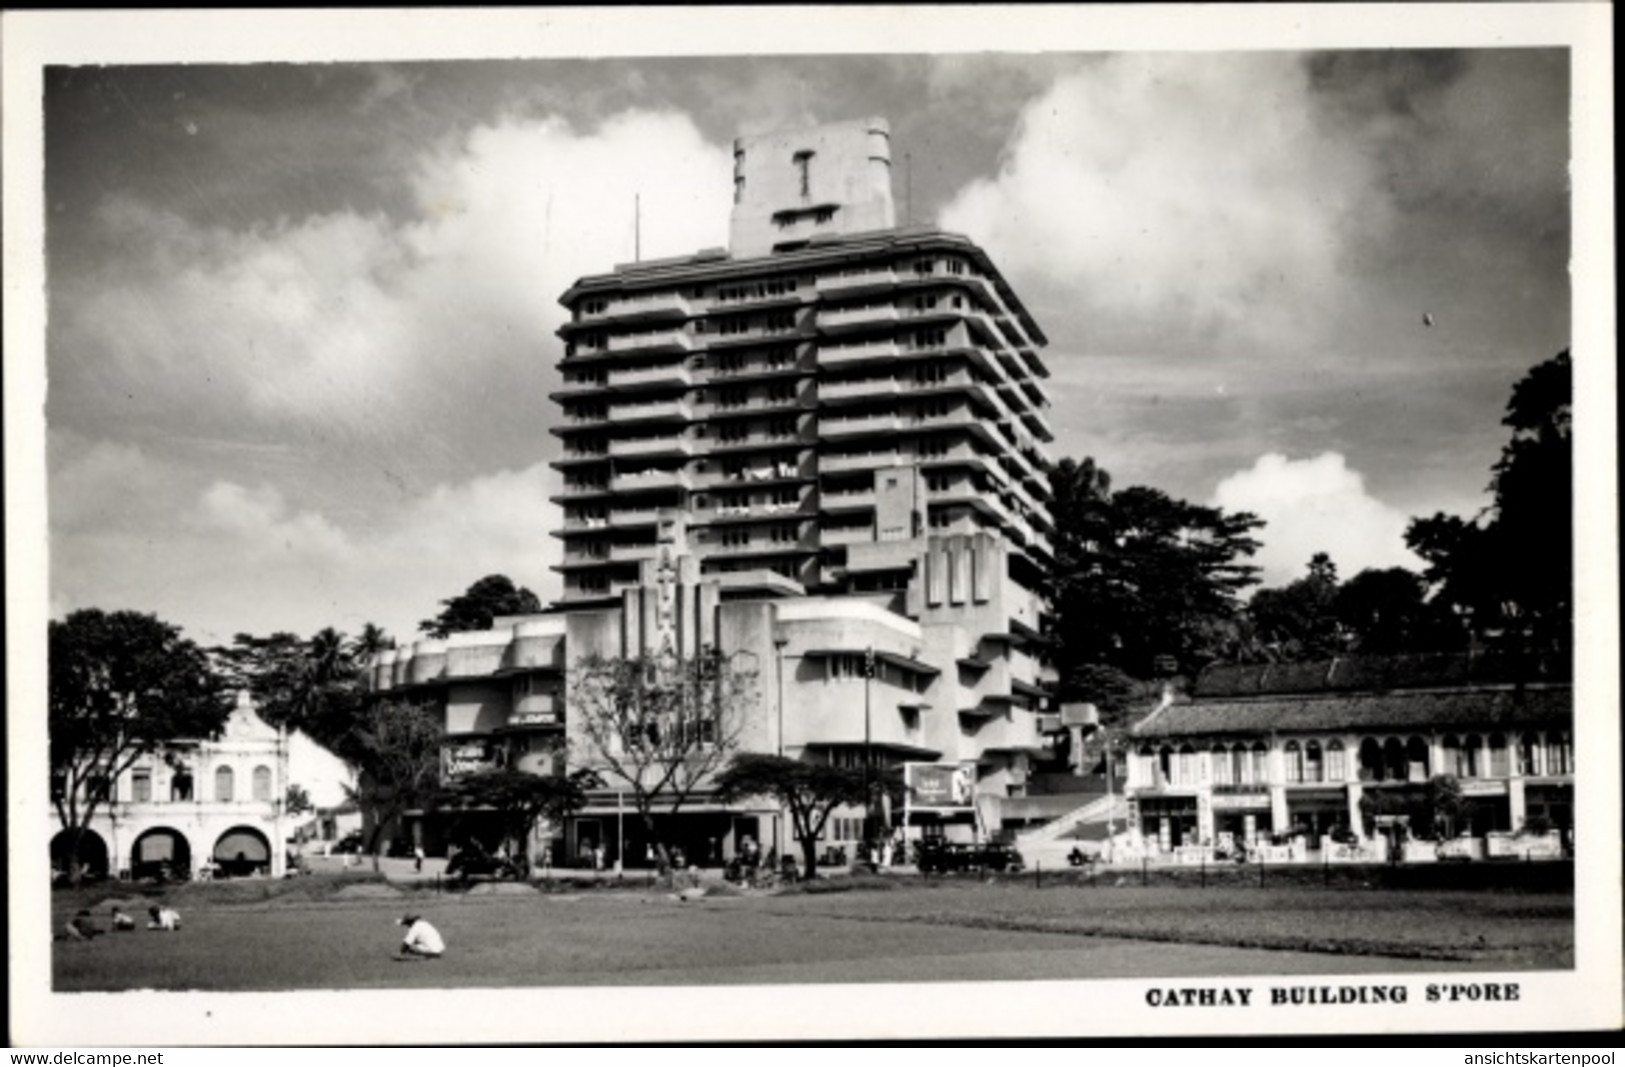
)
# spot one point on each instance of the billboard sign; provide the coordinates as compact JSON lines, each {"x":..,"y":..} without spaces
{"x":940,"y":785}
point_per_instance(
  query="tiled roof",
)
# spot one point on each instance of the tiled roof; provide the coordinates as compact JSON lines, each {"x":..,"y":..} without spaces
{"x":1369,"y":673}
{"x":1479,"y":709}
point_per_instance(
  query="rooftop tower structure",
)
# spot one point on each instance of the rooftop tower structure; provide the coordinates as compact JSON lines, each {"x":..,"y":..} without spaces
{"x":807,"y":409}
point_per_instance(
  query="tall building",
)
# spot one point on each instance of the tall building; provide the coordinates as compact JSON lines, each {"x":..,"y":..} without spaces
{"x":793,"y":410}
{"x":821,"y":450}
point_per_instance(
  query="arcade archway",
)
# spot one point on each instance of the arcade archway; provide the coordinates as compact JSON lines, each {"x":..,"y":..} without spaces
{"x":161,"y":853}
{"x":92,"y":854}
{"x":241,"y":851}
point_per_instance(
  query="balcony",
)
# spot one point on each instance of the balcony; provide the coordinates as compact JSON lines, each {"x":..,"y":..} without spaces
{"x":660,"y":411}
{"x":577,"y":525}
{"x":857,"y":282}
{"x":862,"y":500}
{"x":665,"y":445}
{"x":835,"y":321}
{"x":828,"y":464}
{"x":862,"y":389}
{"x":1038,"y":424}
{"x":848,"y":535}
{"x":766,"y":473}
{"x":624,"y":518}
{"x":832,"y":428}
{"x":652,"y":341}
{"x":632,"y":553}
{"x":655,"y":306}
{"x":646,"y":481}
{"x":670,"y":374}
{"x":856,"y":355}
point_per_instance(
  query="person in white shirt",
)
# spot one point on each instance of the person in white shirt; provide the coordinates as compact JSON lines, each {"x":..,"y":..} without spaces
{"x":422,"y":940}
{"x":163,"y":918}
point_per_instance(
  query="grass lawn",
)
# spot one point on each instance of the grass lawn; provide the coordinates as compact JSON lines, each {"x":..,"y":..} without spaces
{"x":338,"y":933}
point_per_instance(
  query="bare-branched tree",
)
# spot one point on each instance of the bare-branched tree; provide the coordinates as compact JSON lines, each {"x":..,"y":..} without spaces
{"x":661,"y":725}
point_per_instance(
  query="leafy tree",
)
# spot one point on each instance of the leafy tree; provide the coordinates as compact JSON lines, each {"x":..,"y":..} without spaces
{"x":810,"y":791}
{"x":520,"y":798}
{"x":1143,"y":585}
{"x":297,"y":799}
{"x":476,"y":608}
{"x":122,"y":685}
{"x":1385,"y":612}
{"x":395,"y":748}
{"x":660,"y":724}
{"x":1509,"y":572}
{"x":1299,"y":620}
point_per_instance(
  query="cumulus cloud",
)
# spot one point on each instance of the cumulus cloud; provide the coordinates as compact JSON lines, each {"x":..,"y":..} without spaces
{"x":1315,"y":505}
{"x":220,"y":558}
{"x":1152,"y":196}
{"x":335,"y":316}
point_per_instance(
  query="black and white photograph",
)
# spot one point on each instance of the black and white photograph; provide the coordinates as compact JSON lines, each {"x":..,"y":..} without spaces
{"x":577,"y":524}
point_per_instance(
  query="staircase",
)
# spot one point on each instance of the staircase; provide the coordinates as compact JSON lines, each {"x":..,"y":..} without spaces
{"x":1049,"y":845}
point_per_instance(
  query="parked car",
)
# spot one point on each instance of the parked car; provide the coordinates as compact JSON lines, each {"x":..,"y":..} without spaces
{"x":476,"y":863}
{"x":350,"y":842}
{"x":942,"y":857}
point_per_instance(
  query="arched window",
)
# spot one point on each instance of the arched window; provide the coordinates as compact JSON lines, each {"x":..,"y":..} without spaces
{"x":1559,"y":756}
{"x":1370,"y":760}
{"x":1293,"y":758}
{"x":1145,"y":770}
{"x":223,"y":784}
{"x":1240,"y":768}
{"x":1472,"y":756}
{"x":1451,"y":745}
{"x":1416,"y":756}
{"x":1336,"y":762}
{"x":1165,"y":765}
{"x":262,"y":783}
{"x":1314,"y":768}
{"x":1223,"y":770}
{"x":1187,"y":765}
{"x":1529,"y":753}
{"x":1499,"y":764}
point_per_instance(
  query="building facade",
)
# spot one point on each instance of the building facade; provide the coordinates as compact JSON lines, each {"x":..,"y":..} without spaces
{"x":820,"y":452}
{"x":1340,"y":749}
{"x":194,"y":809}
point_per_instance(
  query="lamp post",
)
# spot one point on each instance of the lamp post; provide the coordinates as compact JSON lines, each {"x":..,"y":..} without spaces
{"x":868,"y":687}
{"x":781,"y":833}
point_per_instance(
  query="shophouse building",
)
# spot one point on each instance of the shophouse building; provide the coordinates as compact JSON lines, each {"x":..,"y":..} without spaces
{"x":1256,"y":752}
{"x":194,"y":808}
{"x":821,"y":449}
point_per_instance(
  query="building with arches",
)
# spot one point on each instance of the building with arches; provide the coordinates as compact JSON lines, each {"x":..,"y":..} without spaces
{"x":196,"y":808}
{"x":1339,"y":745}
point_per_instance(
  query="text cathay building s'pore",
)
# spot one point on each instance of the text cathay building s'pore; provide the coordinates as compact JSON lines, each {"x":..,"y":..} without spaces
{"x":819,"y":453}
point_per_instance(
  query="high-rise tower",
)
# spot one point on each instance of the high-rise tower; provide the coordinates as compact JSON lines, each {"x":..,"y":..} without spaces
{"x":801,"y":411}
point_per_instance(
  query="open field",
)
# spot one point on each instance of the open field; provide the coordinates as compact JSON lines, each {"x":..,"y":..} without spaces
{"x":339,"y":933}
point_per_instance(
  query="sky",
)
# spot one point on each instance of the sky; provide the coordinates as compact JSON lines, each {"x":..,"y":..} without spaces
{"x":301,"y":316}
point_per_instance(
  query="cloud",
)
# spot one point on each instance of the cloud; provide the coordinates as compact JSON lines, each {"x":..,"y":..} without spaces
{"x":1194,"y":201}
{"x":344,"y":318}
{"x":1315,"y":505}
{"x":132,"y":531}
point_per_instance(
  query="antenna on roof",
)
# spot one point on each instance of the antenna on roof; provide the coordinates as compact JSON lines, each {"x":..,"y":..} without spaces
{"x":908,"y":189}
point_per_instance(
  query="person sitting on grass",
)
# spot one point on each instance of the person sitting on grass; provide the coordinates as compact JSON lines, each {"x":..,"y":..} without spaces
{"x":163,"y":918}
{"x":80,"y":928}
{"x":422,"y":940}
{"x":122,"y":920}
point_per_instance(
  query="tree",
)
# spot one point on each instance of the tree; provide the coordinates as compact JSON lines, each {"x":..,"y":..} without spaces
{"x":122,"y":685}
{"x":520,"y":798}
{"x":1385,"y":612}
{"x":810,"y":791}
{"x":1142,"y":585}
{"x":1509,"y":572}
{"x":1298,"y":621}
{"x":297,"y":800}
{"x":476,"y":608}
{"x":660,"y":724}
{"x":395,"y":748}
